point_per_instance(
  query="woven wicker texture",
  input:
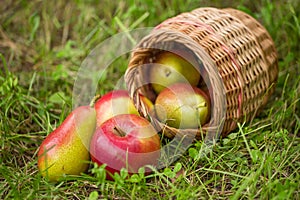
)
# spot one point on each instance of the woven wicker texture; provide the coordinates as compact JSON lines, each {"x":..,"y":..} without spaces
{"x":264,"y":40}
{"x":237,"y":45}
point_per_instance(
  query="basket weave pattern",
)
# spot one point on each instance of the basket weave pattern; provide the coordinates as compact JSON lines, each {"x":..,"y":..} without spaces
{"x":239,"y":47}
{"x":264,"y":40}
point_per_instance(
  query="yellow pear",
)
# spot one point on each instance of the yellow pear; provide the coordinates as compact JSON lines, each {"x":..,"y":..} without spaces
{"x":65,"y":151}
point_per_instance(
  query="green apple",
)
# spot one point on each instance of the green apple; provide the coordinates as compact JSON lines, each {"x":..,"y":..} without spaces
{"x":182,"y":106}
{"x":171,"y":68}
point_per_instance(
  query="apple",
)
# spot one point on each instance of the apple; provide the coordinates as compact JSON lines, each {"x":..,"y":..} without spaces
{"x":149,"y":105}
{"x":125,"y":141}
{"x":171,"y":68}
{"x":117,"y":102}
{"x":182,"y":106}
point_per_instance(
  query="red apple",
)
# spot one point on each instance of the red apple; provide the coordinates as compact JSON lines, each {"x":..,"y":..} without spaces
{"x":115,"y":103}
{"x":182,"y":106}
{"x":172,"y":68}
{"x":125,"y":141}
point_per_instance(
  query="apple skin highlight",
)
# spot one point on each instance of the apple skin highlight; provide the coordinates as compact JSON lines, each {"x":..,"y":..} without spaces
{"x":125,"y":141}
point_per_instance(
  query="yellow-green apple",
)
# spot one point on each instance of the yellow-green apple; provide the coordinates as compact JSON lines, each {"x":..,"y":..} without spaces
{"x":125,"y":141}
{"x":182,"y":106}
{"x":65,"y":151}
{"x":148,"y":104}
{"x":117,"y":102}
{"x":170,"y":68}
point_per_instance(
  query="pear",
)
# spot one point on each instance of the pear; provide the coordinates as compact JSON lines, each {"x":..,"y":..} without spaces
{"x":65,"y":151}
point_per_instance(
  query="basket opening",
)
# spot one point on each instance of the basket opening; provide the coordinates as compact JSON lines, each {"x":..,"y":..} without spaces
{"x":145,"y":55}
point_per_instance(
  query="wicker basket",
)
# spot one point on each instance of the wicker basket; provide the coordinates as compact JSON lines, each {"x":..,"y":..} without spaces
{"x":228,"y":45}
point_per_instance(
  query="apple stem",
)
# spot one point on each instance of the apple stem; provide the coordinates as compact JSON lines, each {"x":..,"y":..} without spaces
{"x":92,"y":103}
{"x":119,"y":132}
{"x":203,"y":104}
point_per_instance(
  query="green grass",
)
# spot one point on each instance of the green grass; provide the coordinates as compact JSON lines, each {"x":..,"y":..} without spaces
{"x":42,"y":44}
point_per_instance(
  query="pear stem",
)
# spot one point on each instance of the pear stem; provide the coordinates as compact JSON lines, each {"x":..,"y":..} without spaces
{"x":92,"y":103}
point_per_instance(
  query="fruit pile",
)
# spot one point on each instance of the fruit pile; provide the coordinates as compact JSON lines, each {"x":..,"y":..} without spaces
{"x":238,"y":63}
{"x":179,"y":102}
{"x":111,"y":131}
